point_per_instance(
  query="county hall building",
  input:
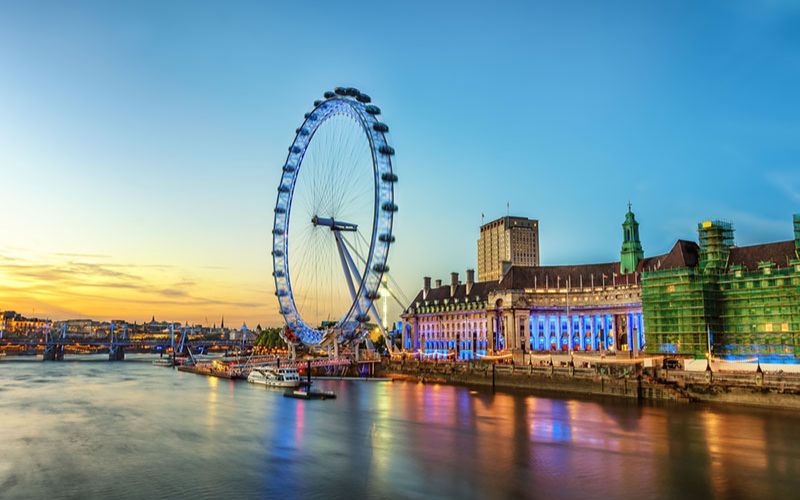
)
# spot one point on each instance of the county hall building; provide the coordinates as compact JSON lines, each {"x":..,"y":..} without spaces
{"x":587,"y":307}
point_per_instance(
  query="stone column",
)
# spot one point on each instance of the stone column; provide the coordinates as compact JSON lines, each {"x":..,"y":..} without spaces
{"x":512,"y":322}
{"x":491,"y":329}
{"x":641,"y":331}
{"x":559,"y":333}
{"x":414,"y":333}
{"x":526,"y":340}
{"x":633,"y":338}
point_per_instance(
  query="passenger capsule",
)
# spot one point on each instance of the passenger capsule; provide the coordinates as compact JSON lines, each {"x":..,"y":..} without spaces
{"x":386,"y":238}
{"x":389,"y":207}
{"x":278,"y":231}
{"x":289,"y":168}
{"x":364,"y":98}
{"x":329,"y":95}
{"x":380,"y":127}
{"x":372,"y":109}
{"x":352,"y":91}
{"x":380,"y":268}
{"x":280,"y":210}
{"x":340,"y":91}
{"x":277,"y":253}
{"x":317,"y":103}
{"x":389,"y":177}
{"x":386,"y":149}
{"x":295,"y":149}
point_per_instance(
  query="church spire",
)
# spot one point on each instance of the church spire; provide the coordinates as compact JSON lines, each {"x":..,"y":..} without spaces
{"x":632,"y":251}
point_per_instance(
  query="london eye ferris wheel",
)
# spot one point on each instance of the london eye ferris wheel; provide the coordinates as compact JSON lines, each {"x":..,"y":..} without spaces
{"x":333,"y":221}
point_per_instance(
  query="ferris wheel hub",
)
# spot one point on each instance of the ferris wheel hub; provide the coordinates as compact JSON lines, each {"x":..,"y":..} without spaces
{"x":335,"y":225}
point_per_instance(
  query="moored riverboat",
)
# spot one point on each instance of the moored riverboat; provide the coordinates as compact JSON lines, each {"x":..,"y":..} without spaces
{"x":274,"y":377}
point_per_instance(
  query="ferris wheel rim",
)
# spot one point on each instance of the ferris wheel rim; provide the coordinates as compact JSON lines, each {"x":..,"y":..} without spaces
{"x":356,"y":105}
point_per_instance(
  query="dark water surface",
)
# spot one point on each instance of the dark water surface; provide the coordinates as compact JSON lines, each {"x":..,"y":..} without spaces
{"x":131,"y":430}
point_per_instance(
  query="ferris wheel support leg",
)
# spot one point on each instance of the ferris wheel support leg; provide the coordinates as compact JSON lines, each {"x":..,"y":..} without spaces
{"x":343,"y":256}
{"x":354,"y":270}
{"x":372,"y":308}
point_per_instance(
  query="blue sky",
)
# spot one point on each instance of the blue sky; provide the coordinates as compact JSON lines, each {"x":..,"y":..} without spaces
{"x":149,"y":135}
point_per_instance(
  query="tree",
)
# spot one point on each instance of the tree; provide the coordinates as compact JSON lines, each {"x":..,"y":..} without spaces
{"x":270,"y":338}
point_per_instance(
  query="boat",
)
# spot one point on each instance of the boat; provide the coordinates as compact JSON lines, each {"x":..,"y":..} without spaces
{"x":305,"y":392}
{"x":274,"y":377}
{"x":165,"y":362}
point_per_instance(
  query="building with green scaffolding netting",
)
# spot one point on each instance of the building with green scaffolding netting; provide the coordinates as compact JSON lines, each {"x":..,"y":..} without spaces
{"x":736,"y":302}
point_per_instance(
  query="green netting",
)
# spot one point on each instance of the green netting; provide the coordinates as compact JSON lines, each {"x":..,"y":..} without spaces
{"x":755,"y":312}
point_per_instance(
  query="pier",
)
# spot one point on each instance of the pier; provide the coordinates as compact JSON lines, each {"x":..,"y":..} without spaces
{"x":605,"y":377}
{"x":240,"y":367}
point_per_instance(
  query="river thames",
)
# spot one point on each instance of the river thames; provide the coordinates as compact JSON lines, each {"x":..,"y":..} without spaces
{"x":94,"y":429}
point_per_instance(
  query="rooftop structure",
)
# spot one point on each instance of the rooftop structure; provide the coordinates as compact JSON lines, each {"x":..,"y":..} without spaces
{"x":505,"y":242}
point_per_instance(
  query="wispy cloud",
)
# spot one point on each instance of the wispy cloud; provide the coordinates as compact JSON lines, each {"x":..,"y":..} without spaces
{"x":754,"y":228}
{"x":87,"y":255}
{"x":87,"y":283}
{"x":787,"y":183}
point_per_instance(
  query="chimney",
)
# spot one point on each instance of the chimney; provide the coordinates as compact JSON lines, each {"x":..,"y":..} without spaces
{"x":426,"y":287}
{"x":438,"y":283}
{"x":453,"y":283}
{"x":470,"y":279}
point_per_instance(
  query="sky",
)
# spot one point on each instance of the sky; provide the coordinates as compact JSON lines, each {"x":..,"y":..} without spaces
{"x":141,"y":142}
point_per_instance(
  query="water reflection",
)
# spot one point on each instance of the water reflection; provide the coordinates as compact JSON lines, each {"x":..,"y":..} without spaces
{"x":70,"y":428}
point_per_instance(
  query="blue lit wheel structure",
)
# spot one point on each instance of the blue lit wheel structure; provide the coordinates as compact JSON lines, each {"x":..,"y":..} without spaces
{"x":333,"y":221}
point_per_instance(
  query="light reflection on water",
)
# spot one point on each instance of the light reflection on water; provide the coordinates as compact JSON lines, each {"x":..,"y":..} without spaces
{"x":131,"y":430}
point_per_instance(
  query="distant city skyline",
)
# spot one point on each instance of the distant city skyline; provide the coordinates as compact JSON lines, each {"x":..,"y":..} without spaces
{"x":141,"y":144}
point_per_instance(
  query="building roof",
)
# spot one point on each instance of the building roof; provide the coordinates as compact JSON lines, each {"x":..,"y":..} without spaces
{"x":683,"y":254}
{"x":508,"y":220}
{"x":779,"y":252}
{"x":479,"y":290}
{"x":519,"y":277}
{"x":687,"y":254}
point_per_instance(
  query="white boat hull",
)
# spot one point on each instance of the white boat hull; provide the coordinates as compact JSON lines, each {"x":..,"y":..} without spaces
{"x":274,"y":383}
{"x":272,"y":377}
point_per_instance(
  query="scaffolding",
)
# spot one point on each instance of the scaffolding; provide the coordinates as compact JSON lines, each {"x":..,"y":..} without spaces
{"x":732,"y":310}
{"x":760,"y":311}
{"x":716,"y":240}
{"x":677,"y":305}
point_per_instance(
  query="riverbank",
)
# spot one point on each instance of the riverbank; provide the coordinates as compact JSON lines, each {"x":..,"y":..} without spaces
{"x":768,"y":390}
